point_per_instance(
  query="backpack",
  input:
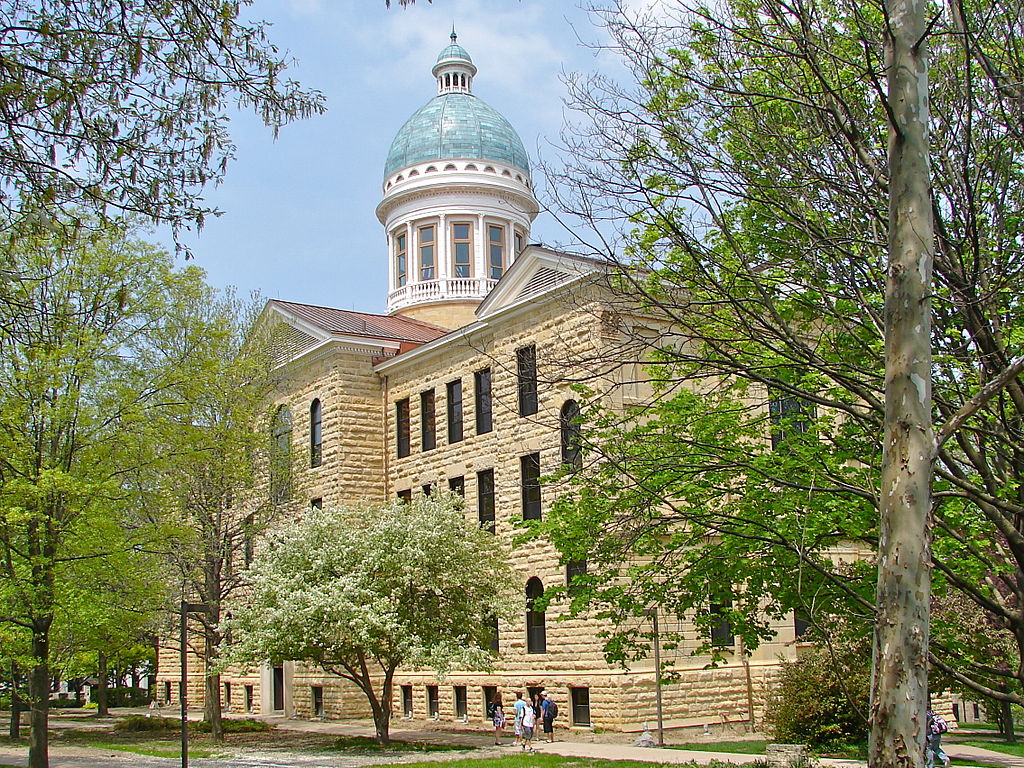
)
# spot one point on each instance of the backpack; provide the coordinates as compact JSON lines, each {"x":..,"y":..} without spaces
{"x":937,"y":724}
{"x":552,"y":710}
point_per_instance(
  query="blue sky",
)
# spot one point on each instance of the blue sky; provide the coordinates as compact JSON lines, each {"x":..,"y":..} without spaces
{"x":298,"y":220}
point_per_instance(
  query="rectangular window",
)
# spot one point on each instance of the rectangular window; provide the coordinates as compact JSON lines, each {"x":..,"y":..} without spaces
{"x":227,"y":695}
{"x":407,"y":701}
{"x":248,"y":698}
{"x":402,"y":439}
{"x":247,"y":537}
{"x":721,"y":628}
{"x":580,"y":698}
{"x":489,"y":692}
{"x":405,"y":495}
{"x":428,"y":489}
{"x":401,"y":260}
{"x":529,"y":468}
{"x":454,"y":411}
{"x":461,"y":703}
{"x":482,"y":380}
{"x":433,"y":705}
{"x":427,"y":252}
{"x":801,"y":625}
{"x":573,"y":570}
{"x":318,"y":700}
{"x":462,"y":250}
{"x":492,"y":634}
{"x":428,"y":426}
{"x":495,"y":251}
{"x":526,"y":377}
{"x":520,"y":243}
{"x":457,"y":485}
{"x":789,"y":416}
{"x":317,"y":503}
{"x":485,"y":498}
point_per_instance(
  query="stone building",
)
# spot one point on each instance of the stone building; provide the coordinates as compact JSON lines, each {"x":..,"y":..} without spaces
{"x":465,"y":385}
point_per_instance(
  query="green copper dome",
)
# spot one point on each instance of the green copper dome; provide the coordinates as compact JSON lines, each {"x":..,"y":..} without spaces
{"x":454,"y":51}
{"x":456,"y":126}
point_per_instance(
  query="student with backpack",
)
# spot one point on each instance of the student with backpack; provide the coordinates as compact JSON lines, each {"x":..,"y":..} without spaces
{"x":549,"y":711}
{"x":935,"y":726}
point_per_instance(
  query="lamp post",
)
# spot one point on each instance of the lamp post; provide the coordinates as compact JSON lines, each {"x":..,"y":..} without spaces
{"x":186,"y":609}
{"x":652,"y":613}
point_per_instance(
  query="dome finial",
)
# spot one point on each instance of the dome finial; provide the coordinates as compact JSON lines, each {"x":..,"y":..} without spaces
{"x":454,"y":36}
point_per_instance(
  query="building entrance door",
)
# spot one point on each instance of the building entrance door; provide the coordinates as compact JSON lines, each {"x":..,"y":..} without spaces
{"x":278,"y":686}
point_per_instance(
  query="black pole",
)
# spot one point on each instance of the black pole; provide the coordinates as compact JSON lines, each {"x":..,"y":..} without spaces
{"x":183,"y":686}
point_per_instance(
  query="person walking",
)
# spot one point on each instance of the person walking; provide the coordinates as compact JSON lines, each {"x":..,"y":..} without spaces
{"x":548,"y":713}
{"x":517,"y":726}
{"x":935,"y":726}
{"x":529,"y":721}
{"x":497,"y":710}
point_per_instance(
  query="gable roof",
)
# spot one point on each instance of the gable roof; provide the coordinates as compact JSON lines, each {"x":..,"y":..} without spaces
{"x":343,"y":322}
{"x":538,"y":270}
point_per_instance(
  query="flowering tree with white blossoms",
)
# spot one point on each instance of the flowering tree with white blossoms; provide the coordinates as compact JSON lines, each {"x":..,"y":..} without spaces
{"x":364,"y":589}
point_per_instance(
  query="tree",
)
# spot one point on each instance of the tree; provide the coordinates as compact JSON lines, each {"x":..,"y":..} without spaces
{"x":124,"y":106}
{"x":752,"y":164}
{"x":201,"y":458}
{"x":406,"y":584}
{"x":77,"y":371}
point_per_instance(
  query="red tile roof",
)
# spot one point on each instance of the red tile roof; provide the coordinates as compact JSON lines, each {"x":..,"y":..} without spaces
{"x":342,"y":321}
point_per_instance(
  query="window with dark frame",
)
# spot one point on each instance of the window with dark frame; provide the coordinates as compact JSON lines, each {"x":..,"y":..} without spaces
{"x":247,"y":538}
{"x":318,"y":700}
{"x":316,"y":437}
{"x":492,"y":634}
{"x":722,"y":635}
{"x":402,"y":427}
{"x":317,"y":503}
{"x":280,"y":460}
{"x":488,"y":694}
{"x":801,"y":625}
{"x":529,"y":472}
{"x":485,"y":498}
{"x":526,"y":379}
{"x":789,"y":416}
{"x":580,"y":700}
{"x":405,"y":495}
{"x":536,"y":631}
{"x":573,"y":570}
{"x":569,"y":422}
{"x":401,"y":256}
{"x":428,"y":422}
{"x":461,"y":702}
{"x":428,"y":489}
{"x":484,"y":404}
{"x":248,"y":698}
{"x":454,"y":410}
{"x":407,"y":701}
{"x":227,"y":694}
{"x":433,"y":704}
{"x":457,"y":485}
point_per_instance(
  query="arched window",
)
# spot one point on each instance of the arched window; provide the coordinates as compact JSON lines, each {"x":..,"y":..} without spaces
{"x":316,"y":435}
{"x":536,"y":633}
{"x":280,"y":456}
{"x":572,"y":454}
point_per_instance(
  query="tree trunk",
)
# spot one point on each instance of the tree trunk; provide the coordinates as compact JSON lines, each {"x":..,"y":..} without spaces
{"x":39,"y":697}
{"x":14,"y":729}
{"x":102,"y":689}
{"x":899,"y":681}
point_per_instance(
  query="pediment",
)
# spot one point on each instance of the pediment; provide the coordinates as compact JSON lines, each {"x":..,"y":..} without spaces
{"x":537,"y":272}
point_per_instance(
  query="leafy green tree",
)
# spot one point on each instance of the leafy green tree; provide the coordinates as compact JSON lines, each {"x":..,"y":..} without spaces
{"x":202,"y":458}
{"x":124,"y":106}
{"x":752,"y":162}
{"x":360,"y":591}
{"x":77,"y":370}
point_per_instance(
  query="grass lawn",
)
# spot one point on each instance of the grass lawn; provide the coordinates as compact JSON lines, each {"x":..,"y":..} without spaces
{"x":751,"y":747}
{"x":995,"y":744}
{"x":367,"y":744}
{"x":155,"y":748}
{"x":540,"y":760}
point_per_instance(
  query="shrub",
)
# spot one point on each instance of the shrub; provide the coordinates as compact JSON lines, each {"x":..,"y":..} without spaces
{"x":821,"y":699}
{"x":147,"y":723}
